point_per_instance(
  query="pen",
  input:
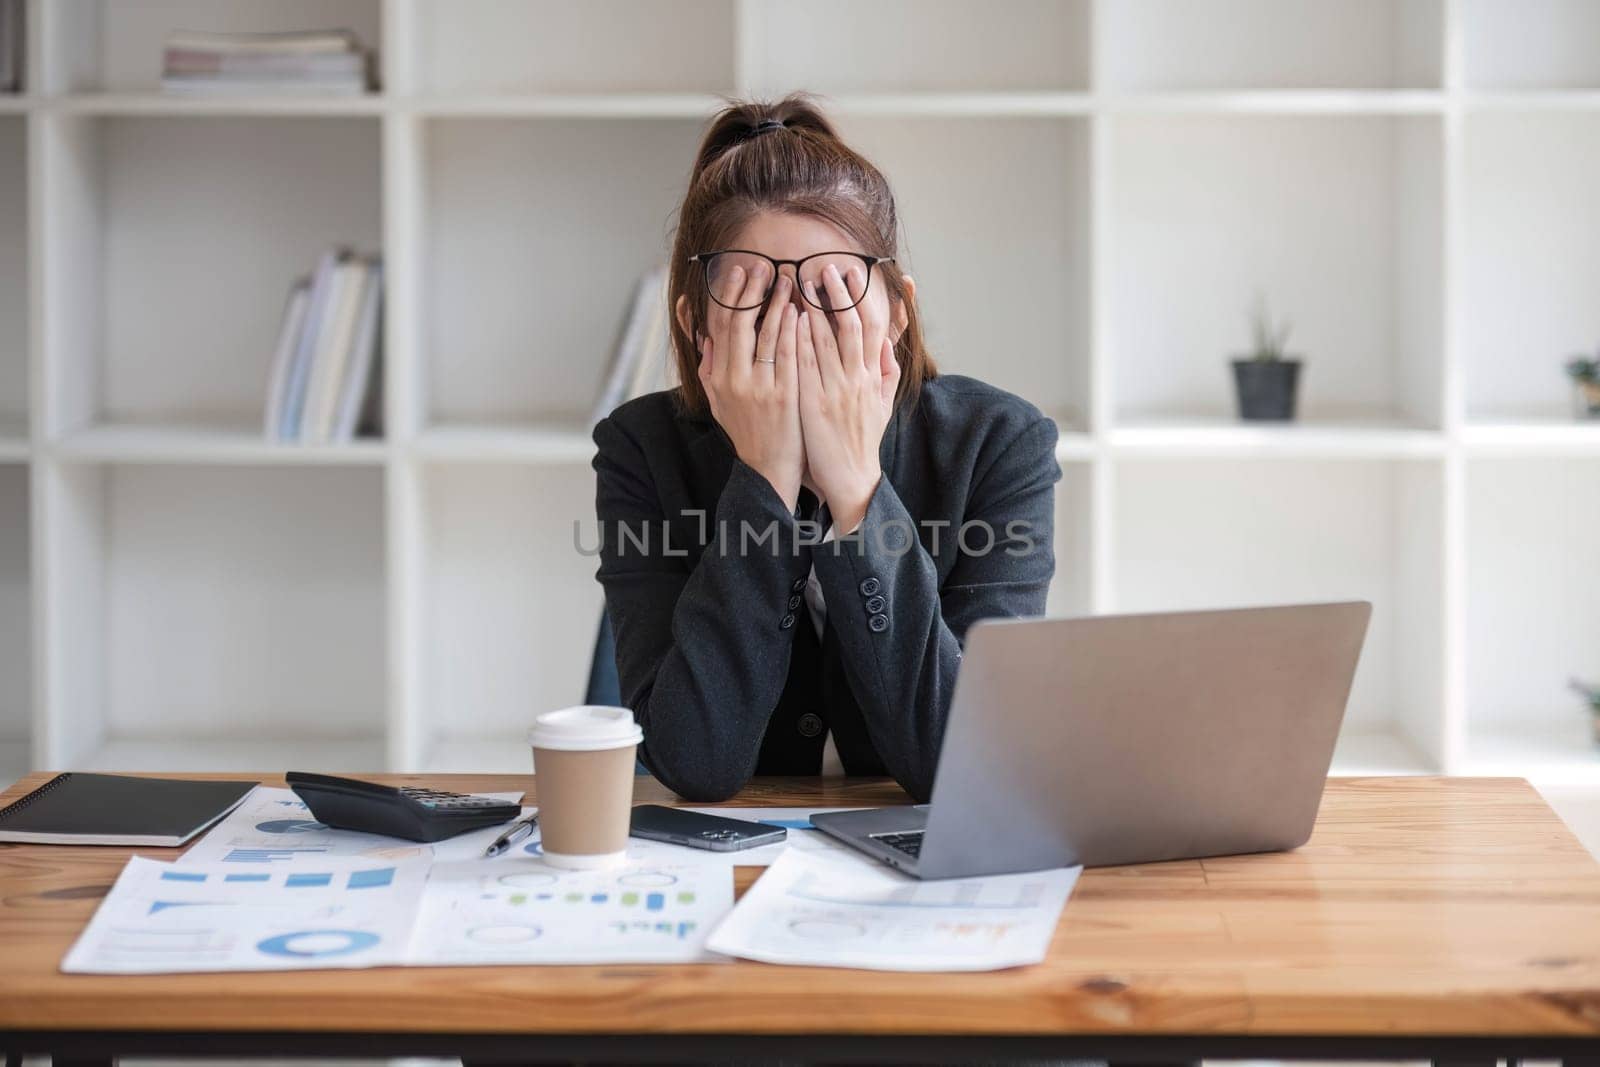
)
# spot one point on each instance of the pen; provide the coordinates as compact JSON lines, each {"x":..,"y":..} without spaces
{"x":518,"y":830}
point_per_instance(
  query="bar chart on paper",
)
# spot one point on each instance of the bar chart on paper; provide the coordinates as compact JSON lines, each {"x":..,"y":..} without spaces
{"x":523,"y":911}
{"x":163,"y":918}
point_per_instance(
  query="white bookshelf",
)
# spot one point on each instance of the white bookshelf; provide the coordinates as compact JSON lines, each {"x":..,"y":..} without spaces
{"x":1092,"y":190}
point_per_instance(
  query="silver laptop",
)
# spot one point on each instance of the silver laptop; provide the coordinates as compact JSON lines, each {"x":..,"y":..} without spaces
{"x":1127,"y":739}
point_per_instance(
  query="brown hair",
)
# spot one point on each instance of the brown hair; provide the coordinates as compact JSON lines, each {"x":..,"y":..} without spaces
{"x":803,"y":168}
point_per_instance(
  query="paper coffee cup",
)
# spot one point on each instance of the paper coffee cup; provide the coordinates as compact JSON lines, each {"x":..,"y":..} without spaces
{"x":583,"y":759}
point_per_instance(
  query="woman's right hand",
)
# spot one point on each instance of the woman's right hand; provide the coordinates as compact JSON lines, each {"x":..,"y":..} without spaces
{"x":756,"y":403}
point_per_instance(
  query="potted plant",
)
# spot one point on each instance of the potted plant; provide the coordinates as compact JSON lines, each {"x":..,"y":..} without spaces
{"x":1585,"y":374}
{"x":1265,"y":380}
{"x":1591,"y":696}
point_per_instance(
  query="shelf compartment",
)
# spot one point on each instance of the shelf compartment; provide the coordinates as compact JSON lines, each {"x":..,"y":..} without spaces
{"x":1531,"y":44}
{"x":1004,"y":295}
{"x":207,"y":443}
{"x":177,"y":241}
{"x":14,"y":288}
{"x":508,"y":604}
{"x":16,"y":623}
{"x":919,"y":45}
{"x":1531,"y":621}
{"x":1335,"y":220}
{"x":1222,"y":533}
{"x":1272,"y":44}
{"x":526,"y":46}
{"x":214,"y":604}
{"x":526,"y":285}
{"x":1532,"y":265}
{"x":110,"y":45}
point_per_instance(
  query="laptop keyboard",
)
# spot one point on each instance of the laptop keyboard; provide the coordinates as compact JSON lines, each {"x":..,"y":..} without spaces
{"x":909,"y":842}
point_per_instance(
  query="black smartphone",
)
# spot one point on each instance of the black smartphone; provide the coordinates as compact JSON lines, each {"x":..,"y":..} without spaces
{"x":653,"y":822}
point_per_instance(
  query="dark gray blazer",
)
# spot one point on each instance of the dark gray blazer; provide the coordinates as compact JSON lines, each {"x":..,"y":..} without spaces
{"x":703,"y":568}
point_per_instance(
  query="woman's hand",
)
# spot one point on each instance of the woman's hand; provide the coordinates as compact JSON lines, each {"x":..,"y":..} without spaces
{"x":750,"y":379}
{"x":847,"y":387}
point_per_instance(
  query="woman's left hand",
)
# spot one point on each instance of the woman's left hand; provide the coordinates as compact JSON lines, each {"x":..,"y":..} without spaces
{"x":848,"y":379}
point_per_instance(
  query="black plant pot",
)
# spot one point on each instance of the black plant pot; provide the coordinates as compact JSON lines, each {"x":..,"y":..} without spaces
{"x":1266,"y":387}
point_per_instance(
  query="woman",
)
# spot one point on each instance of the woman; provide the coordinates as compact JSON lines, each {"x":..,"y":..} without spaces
{"x":795,"y":540}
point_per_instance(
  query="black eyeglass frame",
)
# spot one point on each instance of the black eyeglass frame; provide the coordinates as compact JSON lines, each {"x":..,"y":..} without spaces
{"x":705,"y":258}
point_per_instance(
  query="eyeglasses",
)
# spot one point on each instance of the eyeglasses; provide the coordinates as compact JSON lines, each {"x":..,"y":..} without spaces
{"x":809,"y":270}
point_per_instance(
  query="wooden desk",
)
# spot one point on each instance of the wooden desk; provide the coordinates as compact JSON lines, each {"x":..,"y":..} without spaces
{"x":1426,"y":918}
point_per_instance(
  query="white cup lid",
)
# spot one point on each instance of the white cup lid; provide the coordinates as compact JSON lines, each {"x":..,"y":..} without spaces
{"x":585,"y":728}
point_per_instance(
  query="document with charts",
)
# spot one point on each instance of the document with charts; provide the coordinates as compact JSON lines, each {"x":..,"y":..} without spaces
{"x":170,"y":918}
{"x":273,"y":827}
{"x":521,"y":911}
{"x":827,"y":910}
{"x":163,"y":918}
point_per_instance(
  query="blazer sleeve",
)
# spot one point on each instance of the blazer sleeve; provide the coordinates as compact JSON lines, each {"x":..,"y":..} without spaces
{"x":901,"y":632}
{"x":703,"y":647}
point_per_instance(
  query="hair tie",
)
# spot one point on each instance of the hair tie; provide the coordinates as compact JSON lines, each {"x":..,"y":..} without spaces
{"x":767,"y":124}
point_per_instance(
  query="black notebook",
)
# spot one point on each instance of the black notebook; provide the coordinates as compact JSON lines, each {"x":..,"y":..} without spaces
{"x":115,"y":809}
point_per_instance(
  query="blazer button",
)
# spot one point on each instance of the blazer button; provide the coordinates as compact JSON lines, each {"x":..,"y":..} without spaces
{"x":870,"y":586}
{"x":875,"y":604}
{"x":794,"y":602}
{"x":786,"y":622}
{"x":878,"y":623}
{"x":797,"y":585}
{"x":810,"y":725}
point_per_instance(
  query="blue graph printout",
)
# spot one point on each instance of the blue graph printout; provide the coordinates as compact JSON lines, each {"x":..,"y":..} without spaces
{"x":162,"y":918}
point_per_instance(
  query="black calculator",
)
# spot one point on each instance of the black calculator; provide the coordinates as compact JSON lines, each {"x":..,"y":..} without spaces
{"x":405,"y":811}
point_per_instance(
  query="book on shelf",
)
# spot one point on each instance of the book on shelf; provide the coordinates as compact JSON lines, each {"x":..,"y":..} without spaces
{"x":294,"y":317}
{"x":11,"y":45}
{"x":310,"y":61}
{"x":642,"y":360}
{"x":326,"y":367}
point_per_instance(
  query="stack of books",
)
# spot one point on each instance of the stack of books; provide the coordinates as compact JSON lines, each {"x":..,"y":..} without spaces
{"x":313,"y":61}
{"x":642,"y":361}
{"x":11,"y":37}
{"x":326,"y":370}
